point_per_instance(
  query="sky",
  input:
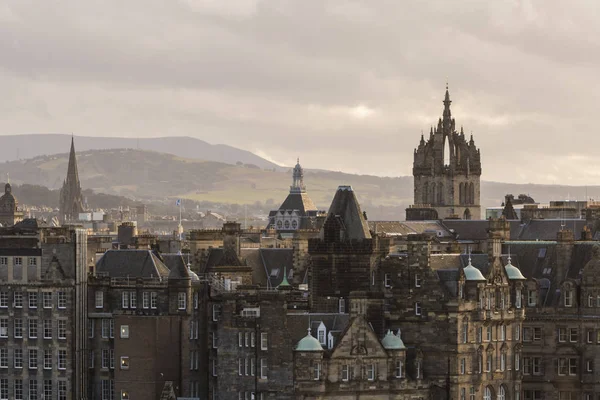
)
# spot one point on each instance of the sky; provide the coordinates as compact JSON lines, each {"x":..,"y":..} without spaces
{"x":344,"y":85}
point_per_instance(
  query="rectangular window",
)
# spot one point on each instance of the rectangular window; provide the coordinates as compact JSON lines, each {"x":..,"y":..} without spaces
{"x":105,"y":358}
{"x":488,"y":364}
{"x":47,"y":329}
{"x":153,"y":300}
{"x":398,"y":369}
{"x":562,"y":334}
{"x":18,"y":327}
{"x":18,"y":300}
{"x":247,"y":339}
{"x":537,"y":365}
{"x":32,"y":261}
{"x":3,"y":389}
{"x":33,"y":328}
{"x":252,"y":339}
{"x":488,"y":334}
{"x":531,"y":298}
{"x":568,"y":298}
{"x":3,"y":357}
{"x":3,"y":260}
{"x":263,"y":368}
{"x":527,"y":365}
{"x":502,"y":361}
{"x":181,"y":300}
{"x":132,"y":300}
{"x":91,"y":326}
{"x":215,"y":342}
{"x":214,"y":367}
{"x":195,"y":300}
{"x":62,"y":390}
{"x":124,"y":331}
{"x":252,"y":367}
{"x":92,"y":359}
{"x":145,"y":300}
{"x":590,"y":336}
{"x":4,"y":327}
{"x":589,"y":366}
{"x":112,"y":358}
{"x":105,"y":327}
{"x":18,"y":360}
{"x":417,"y":280}
{"x":562,"y":367}
{"x":3,"y":299}
{"x":572,"y":366}
{"x":62,"y":299}
{"x":479,"y":334}
{"x":518,"y":298}
{"x":240,"y":339}
{"x":124,"y":362}
{"x":106,"y":390}
{"x":240,"y":367}
{"x":573,"y":335}
{"x":537,"y":334}
{"x":19,"y":389}
{"x":33,"y":358}
{"x":502,"y":333}
{"x":125,"y":299}
{"x":99,"y":299}
{"x":316,"y":371}
{"x":62,"y":359}
{"x":62,"y":329}
{"x":517,"y":361}
{"x":417,"y":308}
{"x":111,"y":328}
{"x":33,"y":299}
{"x":47,"y":389}
{"x":263,"y":341}
{"x":18,"y":260}
{"x":47,"y":359}
{"x":33,"y":389}
{"x":345,"y":373}
{"x":463,"y":366}
{"x":47,"y":299}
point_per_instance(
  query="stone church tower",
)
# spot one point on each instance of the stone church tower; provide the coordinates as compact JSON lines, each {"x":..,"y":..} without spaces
{"x":71,"y":202}
{"x":446,"y":171}
{"x":9,"y":210}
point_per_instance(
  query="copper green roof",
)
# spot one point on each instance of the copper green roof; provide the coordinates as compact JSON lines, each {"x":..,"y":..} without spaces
{"x":284,"y":282}
{"x":392,"y":342}
{"x":472,"y":273}
{"x":513,"y":272}
{"x":309,"y":343}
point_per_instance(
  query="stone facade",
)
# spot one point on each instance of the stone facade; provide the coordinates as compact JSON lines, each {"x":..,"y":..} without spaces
{"x":42,"y":312}
{"x":446,"y":171}
{"x":9,"y":208}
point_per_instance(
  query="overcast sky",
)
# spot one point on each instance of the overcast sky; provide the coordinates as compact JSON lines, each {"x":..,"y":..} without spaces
{"x":345,"y":85}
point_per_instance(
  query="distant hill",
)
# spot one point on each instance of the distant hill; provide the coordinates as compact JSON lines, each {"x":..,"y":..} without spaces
{"x":159,"y":177}
{"x":15,"y":147}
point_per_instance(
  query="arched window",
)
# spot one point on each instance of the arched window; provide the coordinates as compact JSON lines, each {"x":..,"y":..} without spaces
{"x":432,"y":193}
{"x":487,"y":393}
{"x":461,"y":193}
{"x":463,"y":394}
{"x":502,"y":393}
{"x":465,"y":331}
{"x":425,"y":199}
{"x":440,"y":193}
{"x":472,"y":193}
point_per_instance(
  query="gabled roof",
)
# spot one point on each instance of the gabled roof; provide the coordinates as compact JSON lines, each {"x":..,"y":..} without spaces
{"x":219,"y":257}
{"x":299,"y":322}
{"x":132,"y":263}
{"x":345,"y":207}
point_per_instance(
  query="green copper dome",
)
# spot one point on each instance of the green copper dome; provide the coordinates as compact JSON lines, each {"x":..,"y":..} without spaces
{"x":472,"y":273}
{"x":309,"y":343}
{"x":392,"y":342}
{"x":513,"y":272}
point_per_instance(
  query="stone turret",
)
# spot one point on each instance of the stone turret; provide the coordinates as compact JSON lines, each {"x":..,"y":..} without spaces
{"x":447,"y":170}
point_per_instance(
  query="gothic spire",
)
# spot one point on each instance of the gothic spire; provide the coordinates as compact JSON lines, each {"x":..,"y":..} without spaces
{"x":447,"y":102}
{"x":71,"y":201}
{"x":72,"y":174}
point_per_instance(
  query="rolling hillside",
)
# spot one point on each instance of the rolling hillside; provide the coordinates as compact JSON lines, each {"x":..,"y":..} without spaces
{"x":159,"y":177}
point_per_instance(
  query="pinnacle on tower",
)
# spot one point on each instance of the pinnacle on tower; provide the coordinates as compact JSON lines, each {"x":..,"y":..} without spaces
{"x":71,"y":201}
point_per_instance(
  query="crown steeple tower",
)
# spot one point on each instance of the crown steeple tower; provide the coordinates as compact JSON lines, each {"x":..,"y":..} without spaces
{"x":71,"y":202}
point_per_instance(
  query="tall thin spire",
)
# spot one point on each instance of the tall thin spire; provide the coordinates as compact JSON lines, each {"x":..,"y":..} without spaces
{"x":447,"y":102}
{"x":72,"y":173}
{"x":71,"y":201}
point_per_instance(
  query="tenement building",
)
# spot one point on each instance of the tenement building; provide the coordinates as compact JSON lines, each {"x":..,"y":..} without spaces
{"x":446,"y":171}
{"x":42,"y":312}
{"x":145,"y":327}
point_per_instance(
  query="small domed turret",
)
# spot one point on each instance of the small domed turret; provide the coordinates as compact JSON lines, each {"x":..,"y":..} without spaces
{"x":392,"y":342}
{"x":513,"y":273}
{"x":309,"y":343}
{"x":472,"y":273}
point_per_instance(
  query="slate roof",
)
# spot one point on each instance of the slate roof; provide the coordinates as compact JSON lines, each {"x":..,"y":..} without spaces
{"x":219,"y":257}
{"x":131,"y":263}
{"x":345,"y":205}
{"x":299,"y":323}
{"x":298,"y":201}
{"x":390,"y":228}
{"x":176,"y":264}
{"x":547,"y":229}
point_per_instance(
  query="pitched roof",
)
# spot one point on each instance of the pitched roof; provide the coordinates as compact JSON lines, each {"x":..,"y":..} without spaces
{"x":132,"y":263}
{"x":298,"y":201}
{"x":345,"y":207}
{"x":176,"y":264}
{"x":298,"y":323}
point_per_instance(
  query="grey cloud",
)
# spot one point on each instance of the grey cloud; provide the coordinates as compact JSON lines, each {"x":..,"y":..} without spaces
{"x":285,"y":78}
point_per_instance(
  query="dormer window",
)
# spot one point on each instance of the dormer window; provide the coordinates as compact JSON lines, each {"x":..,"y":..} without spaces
{"x":321,"y":333}
{"x":330,"y":341}
{"x":531,"y":298}
{"x":568,"y":297}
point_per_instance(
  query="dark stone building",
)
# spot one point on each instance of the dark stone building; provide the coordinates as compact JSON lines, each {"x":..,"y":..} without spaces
{"x":446,"y":171}
{"x":71,"y":201}
{"x":43,"y":308}
{"x":9,"y":208}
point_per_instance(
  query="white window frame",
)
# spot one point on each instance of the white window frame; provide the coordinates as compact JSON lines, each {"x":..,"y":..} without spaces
{"x":124,"y":331}
{"x":99,"y":299}
{"x":264,"y":341}
{"x":181,"y":301}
